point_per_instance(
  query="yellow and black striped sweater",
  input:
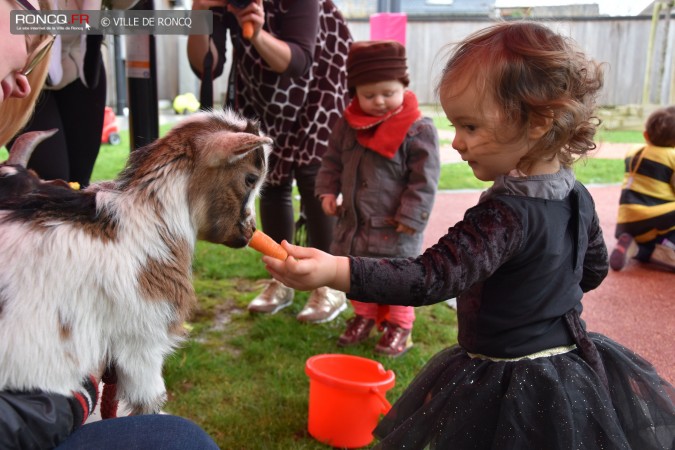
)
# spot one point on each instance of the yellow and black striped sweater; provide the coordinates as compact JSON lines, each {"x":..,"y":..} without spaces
{"x":647,"y":204}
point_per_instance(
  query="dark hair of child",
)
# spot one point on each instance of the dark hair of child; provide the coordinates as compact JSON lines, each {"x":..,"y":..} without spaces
{"x":660,"y":127}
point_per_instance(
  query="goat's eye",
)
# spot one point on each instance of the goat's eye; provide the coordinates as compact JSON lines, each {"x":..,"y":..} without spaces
{"x":251,"y":180}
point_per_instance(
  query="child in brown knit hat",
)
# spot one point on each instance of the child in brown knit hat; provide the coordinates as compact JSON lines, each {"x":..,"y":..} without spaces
{"x":383,"y":158}
{"x":373,"y":61}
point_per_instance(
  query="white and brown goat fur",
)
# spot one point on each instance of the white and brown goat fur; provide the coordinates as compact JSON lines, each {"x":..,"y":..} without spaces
{"x":103,"y":276}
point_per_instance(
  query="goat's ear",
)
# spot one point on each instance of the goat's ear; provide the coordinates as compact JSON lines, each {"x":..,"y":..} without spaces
{"x":230,"y":146}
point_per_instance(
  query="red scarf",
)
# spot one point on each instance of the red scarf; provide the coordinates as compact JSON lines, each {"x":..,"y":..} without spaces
{"x":383,"y":134}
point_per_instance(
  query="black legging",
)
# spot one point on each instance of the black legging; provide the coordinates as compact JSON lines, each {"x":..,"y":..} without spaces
{"x":78,"y":114}
{"x":276,"y":210}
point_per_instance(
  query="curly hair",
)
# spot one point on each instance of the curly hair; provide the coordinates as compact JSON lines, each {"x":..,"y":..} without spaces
{"x":529,"y":71}
{"x":660,"y":127}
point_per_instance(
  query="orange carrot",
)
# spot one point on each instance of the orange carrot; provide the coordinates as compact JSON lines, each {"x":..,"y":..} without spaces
{"x":267,"y":246}
{"x":247,"y":30}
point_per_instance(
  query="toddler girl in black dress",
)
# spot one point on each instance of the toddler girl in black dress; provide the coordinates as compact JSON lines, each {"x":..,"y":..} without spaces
{"x":525,"y":374}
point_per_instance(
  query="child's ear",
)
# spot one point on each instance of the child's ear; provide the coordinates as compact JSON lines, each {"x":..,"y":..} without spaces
{"x":539,"y":126}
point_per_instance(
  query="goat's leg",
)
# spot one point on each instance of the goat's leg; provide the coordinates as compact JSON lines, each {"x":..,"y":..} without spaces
{"x":139,"y":379}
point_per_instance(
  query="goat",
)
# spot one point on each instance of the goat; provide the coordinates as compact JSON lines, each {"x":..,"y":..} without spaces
{"x":102,"y":276}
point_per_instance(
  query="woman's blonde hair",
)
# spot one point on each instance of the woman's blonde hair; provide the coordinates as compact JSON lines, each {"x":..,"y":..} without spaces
{"x":533,"y":73}
{"x":15,"y":112}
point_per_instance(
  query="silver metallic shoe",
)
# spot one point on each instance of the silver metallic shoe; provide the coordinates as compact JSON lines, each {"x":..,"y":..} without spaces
{"x":324,"y":304}
{"x":275,"y":297}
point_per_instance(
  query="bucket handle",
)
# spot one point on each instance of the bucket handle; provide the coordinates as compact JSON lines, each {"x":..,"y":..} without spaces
{"x":386,"y":406}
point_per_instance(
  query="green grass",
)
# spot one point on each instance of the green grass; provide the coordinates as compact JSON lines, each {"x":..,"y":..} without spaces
{"x":619,"y":136}
{"x":241,"y":377}
{"x":599,"y":171}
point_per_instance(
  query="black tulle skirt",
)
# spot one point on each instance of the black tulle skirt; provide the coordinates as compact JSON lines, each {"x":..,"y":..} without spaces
{"x":555,"y":402}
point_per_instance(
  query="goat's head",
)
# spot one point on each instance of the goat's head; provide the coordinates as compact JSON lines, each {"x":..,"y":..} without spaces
{"x":225,"y":159}
{"x":15,"y":178}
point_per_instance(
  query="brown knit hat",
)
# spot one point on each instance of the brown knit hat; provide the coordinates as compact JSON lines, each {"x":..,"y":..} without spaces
{"x":374,"y":61}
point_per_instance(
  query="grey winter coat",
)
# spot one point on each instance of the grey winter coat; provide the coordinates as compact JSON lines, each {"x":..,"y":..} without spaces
{"x":377,"y":192}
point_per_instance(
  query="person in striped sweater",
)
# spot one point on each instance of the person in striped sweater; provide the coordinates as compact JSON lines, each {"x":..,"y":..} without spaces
{"x":646,"y":224}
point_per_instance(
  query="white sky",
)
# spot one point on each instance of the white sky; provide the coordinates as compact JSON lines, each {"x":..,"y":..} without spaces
{"x":609,"y":7}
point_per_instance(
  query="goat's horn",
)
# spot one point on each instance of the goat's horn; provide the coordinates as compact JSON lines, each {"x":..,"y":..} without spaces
{"x":25,"y":144}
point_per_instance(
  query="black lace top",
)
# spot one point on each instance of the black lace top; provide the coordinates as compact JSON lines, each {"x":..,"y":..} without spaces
{"x":516,"y":263}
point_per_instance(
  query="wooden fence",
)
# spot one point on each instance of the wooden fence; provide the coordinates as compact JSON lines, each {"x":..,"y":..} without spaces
{"x":621,"y":43}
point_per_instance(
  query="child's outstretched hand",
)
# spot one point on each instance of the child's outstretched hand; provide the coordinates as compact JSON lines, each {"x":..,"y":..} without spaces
{"x":308,"y":268}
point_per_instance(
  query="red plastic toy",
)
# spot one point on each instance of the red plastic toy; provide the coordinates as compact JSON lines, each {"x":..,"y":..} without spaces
{"x":110,"y":133}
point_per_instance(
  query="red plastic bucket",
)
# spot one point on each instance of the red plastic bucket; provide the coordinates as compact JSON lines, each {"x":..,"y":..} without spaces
{"x":346,"y":398}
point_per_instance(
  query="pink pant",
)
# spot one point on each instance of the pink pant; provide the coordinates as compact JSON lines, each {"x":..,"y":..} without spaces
{"x":403,"y":316}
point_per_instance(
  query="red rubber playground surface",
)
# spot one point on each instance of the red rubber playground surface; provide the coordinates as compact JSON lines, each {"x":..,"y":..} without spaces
{"x":635,"y":307}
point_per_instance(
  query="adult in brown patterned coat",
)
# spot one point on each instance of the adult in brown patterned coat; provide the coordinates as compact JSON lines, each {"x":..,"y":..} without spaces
{"x":290,"y":75}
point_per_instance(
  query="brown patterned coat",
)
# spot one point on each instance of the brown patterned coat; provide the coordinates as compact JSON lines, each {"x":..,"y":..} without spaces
{"x":298,"y":107}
